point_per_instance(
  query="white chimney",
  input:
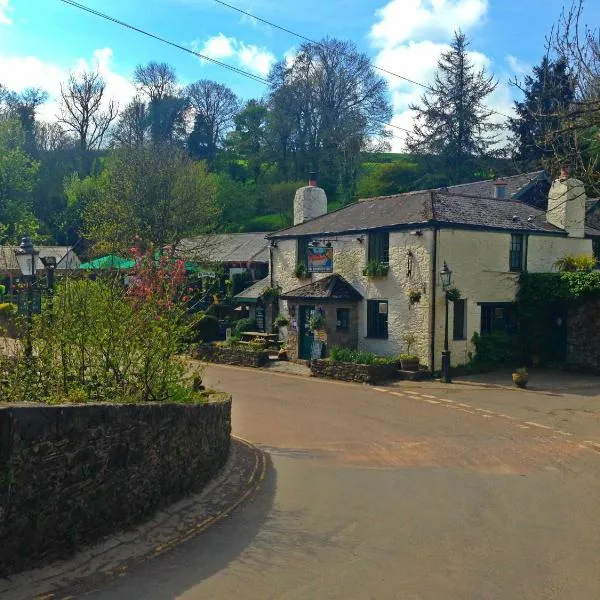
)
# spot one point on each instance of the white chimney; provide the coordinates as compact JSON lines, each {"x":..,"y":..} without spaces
{"x":310,"y":202}
{"x":566,"y":204}
{"x":500,"y":189}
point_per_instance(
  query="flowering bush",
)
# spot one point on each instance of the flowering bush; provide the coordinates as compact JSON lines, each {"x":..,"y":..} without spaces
{"x":98,"y":341}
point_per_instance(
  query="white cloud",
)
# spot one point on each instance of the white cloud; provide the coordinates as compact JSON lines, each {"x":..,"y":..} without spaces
{"x":20,"y":72}
{"x":258,"y":60}
{"x":410,"y":36}
{"x":5,"y":8}
{"x":517,"y":66}
{"x":403,"y":20}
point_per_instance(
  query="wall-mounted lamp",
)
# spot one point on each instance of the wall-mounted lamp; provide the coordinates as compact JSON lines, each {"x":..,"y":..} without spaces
{"x":328,"y":245}
{"x":417,"y":232}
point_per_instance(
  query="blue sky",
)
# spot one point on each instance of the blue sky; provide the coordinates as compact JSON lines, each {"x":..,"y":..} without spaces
{"x":41,"y":40}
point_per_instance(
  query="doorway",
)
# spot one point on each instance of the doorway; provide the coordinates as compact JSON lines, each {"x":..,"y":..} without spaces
{"x":305,"y":333}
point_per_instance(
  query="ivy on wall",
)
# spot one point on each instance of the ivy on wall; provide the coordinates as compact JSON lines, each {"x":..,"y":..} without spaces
{"x":541,"y":296}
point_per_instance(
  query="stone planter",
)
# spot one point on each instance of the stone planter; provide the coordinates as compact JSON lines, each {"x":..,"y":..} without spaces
{"x":520,"y":380}
{"x":230,"y":356}
{"x":344,"y":371}
{"x":409,"y":364}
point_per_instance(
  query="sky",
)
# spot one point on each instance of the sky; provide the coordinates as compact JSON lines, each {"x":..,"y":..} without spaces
{"x":41,"y":41}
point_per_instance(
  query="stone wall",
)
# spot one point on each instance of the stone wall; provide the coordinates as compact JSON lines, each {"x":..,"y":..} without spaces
{"x":70,"y":475}
{"x":583,"y":334}
{"x":344,"y":371}
{"x":230,"y":356}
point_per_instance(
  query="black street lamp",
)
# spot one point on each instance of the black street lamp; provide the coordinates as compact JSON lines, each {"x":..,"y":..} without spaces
{"x":26,"y":256}
{"x":446,"y":277}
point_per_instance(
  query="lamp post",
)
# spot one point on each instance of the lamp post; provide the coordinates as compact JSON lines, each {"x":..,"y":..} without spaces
{"x":26,"y":256}
{"x":446,"y":277}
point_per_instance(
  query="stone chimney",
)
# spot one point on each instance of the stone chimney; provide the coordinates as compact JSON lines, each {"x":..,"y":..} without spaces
{"x":500,"y":189}
{"x":310,"y":202}
{"x":566,"y":204}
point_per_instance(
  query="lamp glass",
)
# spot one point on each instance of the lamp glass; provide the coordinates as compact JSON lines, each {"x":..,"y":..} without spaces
{"x":26,"y":264}
{"x":446,"y":276}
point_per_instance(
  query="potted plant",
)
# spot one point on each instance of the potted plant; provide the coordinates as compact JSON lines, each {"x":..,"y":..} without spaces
{"x":270,"y":294}
{"x":376,"y":268}
{"x":414,"y":296}
{"x":316,"y":322}
{"x":301,"y":272}
{"x":520,"y":377}
{"x":281,"y":321}
{"x":408,"y":361}
{"x":453,"y":294}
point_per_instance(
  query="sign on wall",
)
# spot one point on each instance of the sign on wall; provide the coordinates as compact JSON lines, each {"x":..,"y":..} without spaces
{"x":320,"y":259}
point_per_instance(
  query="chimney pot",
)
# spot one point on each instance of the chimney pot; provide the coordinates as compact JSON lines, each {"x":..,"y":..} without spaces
{"x":500,"y":189}
{"x":312,"y":179}
{"x":564,"y":172}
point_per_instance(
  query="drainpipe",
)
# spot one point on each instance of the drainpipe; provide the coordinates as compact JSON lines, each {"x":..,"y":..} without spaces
{"x":433,"y":296}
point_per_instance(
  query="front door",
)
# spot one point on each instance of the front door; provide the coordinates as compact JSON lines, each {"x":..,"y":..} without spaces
{"x":305,"y":333}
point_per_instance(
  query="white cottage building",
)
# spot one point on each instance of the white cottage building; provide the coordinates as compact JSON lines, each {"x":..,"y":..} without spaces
{"x":370,"y":271}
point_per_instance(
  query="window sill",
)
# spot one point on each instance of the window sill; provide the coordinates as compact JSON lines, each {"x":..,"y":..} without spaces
{"x":461,"y":339}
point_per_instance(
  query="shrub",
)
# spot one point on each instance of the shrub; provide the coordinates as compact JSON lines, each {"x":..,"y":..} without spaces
{"x":408,"y":357}
{"x":339,"y":354}
{"x":301,"y":271}
{"x":497,"y":347}
{"x":281,"y":321}
{"x":316,"y":322}
{"x":7,"y":310}
{"x":205,"y":328}
{"x":375,"y":268}
{"x":453,"y":294}
{"x":244,"y":325}
{"x":270,"y":294}
{"x":571,"y":263}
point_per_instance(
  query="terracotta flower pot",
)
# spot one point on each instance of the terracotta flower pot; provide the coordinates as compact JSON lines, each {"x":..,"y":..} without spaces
{"x":520,"y":380}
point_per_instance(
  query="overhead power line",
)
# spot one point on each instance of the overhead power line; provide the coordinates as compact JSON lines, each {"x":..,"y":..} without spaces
{"x":193,"y":52}
{"x":307,"y":39}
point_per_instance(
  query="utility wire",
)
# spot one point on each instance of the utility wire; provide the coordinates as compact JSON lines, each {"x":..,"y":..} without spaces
{"x":198,"y":54}
{"x":307,"y":39}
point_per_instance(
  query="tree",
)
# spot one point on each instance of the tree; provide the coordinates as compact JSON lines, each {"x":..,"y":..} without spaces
{"x":385,"y":179}
{"x":214,"y":107}
{"x":85,"y":111}
{"x":133,"y":125}
{"x":548,"y":92}
{"x":248,"y":141}
{"x":24,"y":106}
{"x":327,"y":101}
{"x":156,"y":80}
{"x":18,"y":176}
{"x":452,"y":121}
{"x":155,"y":192}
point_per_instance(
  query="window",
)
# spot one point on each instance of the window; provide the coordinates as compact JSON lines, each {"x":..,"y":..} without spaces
{"x":460,"y":307}
{"x":302,"y":252}
{"x":516,"y":252}
{"x":379,"y":247}
{"x":377,"y":319}
{"x":498,"y":317}
{"x":343,"y":318}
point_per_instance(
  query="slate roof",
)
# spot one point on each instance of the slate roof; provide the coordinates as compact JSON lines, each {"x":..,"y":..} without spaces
{"x":592,"y":217}
{"x":333,"y":288}
{"x":515,"y":185}
{"x":253,"y":293}
{"x":65,"y":258}
{"x":425,"y":208}
{"x":226,"y":248}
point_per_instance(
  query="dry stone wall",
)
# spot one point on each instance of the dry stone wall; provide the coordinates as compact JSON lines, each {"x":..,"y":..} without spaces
{"x":70,"y":475}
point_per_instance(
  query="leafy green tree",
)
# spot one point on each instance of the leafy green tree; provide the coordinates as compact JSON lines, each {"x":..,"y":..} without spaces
{"x":452,"y":121}
{"x":248,"y":140}
{"x":155,"y":192}
{"x":236,"y":202}
{"x":547,"y":94}
{"x":387,"y":178}
{"x":18,"y":177}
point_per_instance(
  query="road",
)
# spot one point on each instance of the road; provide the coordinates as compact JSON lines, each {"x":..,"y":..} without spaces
{"x":411,"y":492}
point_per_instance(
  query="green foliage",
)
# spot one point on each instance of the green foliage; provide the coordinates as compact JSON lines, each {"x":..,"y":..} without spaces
{"x":498,"y":347}
{"x":301,"y":271}
{"x":339,"y":354}
{"x":96,"y":343}
{"x":316,"y":322}
{"x":375,"y":268}
{"x":204,"y":328}
{"x":453,"y":294}
{"x":384,"y":179}
{"x":572,"y":262}
{"x":2,"y":290}
{"x":281,"y":321}
{"x":270,"y":294}
{"x":522,"y":371}
{"x":414,"y":296}
{"x":7,"y":310}
{"x":244,"y":325}
{"x":408,"y":357}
